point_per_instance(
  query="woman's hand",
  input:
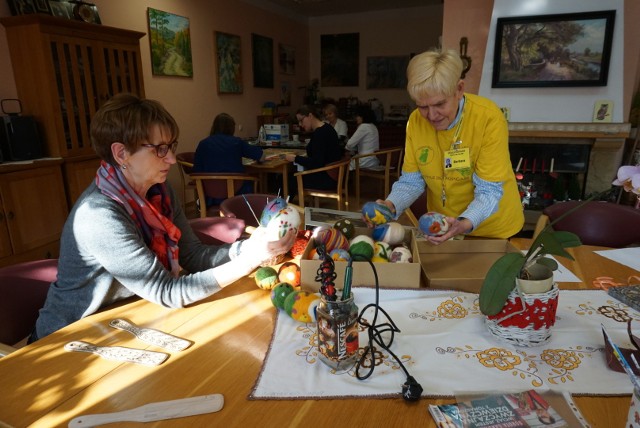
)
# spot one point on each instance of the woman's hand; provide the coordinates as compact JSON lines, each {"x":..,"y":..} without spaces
{"x":290,"y":157}
{"x":456,"y":227}
{"x":257,"y":249}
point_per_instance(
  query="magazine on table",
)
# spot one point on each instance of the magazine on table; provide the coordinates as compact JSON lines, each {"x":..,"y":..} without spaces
{"x":527,"y":409}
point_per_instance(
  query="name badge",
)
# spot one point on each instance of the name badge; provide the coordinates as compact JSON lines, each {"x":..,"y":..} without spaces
{"x":457,"y":159}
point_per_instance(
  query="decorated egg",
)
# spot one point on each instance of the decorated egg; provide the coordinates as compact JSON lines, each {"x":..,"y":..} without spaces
{"x":376,"y":259}
{"x":271,"y":209}
{"x":266,"y":277}
{"x":289,"y":272}
{"x":381,"y":250}
{"x":280,"y":223}
{"x":302,"y":305}
{"x":340,"y":255}
{"x":391,"y":233}
{"x":401,"y":255}
{"x":375,"y":214}
{"x":433,"y":224}
{"x":346,"y":227}
{"x":279,"y":294}
{"x":332,"y":239}
{"x":361,"y":247}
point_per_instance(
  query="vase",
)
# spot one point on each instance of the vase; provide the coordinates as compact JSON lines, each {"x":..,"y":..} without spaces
{"x":540,"y":280}
{"x":526,"y":319}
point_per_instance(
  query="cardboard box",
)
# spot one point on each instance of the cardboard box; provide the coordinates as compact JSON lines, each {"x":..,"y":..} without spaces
{"x":459,"y":264}
{"x":276,"y":133}
{"x":391,"y":275}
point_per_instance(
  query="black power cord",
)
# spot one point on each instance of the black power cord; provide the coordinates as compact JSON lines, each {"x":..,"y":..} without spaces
{"x":411,"y":389}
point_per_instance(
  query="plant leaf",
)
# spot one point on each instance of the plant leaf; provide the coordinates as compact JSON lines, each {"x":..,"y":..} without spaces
{"x":550,"y":263}
{"x":500,"y":280}
{"x":555,"y":243}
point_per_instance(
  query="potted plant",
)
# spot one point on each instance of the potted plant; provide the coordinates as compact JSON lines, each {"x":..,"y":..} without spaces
{"x":504,"y":274}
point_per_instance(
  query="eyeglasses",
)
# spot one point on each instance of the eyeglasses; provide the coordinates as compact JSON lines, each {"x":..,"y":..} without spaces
{"x":301,"y":121}
{"x":163,"y":149}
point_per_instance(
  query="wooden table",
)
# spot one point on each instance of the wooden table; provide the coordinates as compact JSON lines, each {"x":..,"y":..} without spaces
{"x":46,"y":386}
{"x":274,"y":164}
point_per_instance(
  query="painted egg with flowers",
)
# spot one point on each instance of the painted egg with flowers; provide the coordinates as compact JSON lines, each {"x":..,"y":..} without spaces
{"x":433,"y":224}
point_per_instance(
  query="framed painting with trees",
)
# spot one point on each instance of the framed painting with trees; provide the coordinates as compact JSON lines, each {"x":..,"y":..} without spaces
{"x":570,"y":49}
{"x":170,"y":40}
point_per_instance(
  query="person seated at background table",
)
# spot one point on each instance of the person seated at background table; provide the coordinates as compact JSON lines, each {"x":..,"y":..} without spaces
{"x":365,"y":139}
{"x":330,"y":113}
{"x":221,"y":151}
{"x":323,"y":149}
{"x":478,"y":194}
{"x":127,"y":234}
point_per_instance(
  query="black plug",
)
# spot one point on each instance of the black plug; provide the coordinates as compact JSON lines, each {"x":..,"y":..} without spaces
{"x":411,"y":389}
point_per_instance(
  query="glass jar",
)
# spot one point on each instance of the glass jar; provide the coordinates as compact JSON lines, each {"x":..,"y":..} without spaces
{"x":338,"y":332}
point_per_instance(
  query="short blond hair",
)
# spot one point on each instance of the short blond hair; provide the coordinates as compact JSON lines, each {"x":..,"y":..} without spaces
{"x":435,"y":72}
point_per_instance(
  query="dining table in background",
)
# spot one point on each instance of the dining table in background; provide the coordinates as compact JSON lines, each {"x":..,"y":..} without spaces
{"x":274,"y":163}
{"x":45,"y":386}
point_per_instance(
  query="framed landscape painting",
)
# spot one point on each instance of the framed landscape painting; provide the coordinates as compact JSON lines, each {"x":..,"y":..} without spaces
{"x":339,"y":59}
{"x":571,"y":49}
{"x":387,"y":72}
{"x":228,"y":61}
{"x":170,"y":39}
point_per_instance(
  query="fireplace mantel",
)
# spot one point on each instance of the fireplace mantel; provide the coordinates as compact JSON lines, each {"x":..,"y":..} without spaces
{"x":569,"y":130}
{"x":606,"y":139}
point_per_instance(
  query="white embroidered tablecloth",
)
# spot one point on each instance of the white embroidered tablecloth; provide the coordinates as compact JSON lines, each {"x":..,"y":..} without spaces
{"x":446,"y":347}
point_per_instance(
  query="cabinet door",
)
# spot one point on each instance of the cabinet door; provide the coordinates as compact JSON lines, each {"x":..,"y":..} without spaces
{"x":122,"y":70}
{"x":35,"y":206}
{"x":74,"y":63}
{"x":5,"y":242}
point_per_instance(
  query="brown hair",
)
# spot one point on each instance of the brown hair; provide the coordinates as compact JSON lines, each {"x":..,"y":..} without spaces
{"x":127,"y":119}
{"x":307,"y":109}
{"x":223,"y":124}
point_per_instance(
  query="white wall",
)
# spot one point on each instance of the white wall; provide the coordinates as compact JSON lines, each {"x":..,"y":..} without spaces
{"x":557,"y":104}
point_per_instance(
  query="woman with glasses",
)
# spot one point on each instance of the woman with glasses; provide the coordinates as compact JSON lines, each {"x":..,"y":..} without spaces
{"x":127,"y":234}
{"x":322,"y":149}
{"x":221,"y":151}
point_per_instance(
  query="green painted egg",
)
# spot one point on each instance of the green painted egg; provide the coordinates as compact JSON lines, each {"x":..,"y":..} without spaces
{"x":266,"y":277}
{"x":279,"y":293}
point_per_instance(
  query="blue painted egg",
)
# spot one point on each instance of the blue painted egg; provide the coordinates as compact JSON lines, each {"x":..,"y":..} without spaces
{"x":392,"y":233}
{"x":375,"y":214}
{"x":340,"y":255}
{"x":433,"y":224}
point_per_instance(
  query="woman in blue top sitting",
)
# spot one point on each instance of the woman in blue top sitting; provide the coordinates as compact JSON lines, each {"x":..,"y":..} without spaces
{"x":221,"y":151}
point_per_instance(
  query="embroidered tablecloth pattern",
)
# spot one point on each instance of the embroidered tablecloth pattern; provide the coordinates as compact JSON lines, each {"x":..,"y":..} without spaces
{"x":445,"y":345}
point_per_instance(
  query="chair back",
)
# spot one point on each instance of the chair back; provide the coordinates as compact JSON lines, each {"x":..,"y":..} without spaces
{"x":598,"y":223}
{"x":390,"y":167}
{"x":338,"y":171}
{"x":185,"y":161}
{"x":24,"y":288}
{"x":245,"y":206}
{"x":218,"y":186}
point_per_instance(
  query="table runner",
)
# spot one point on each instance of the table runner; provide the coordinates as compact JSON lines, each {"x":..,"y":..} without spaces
{"x":445,"y":345}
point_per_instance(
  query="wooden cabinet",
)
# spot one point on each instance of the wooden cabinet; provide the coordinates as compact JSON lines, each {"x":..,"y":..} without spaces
{"x":64,"y":71}
{"x":32,"y":212}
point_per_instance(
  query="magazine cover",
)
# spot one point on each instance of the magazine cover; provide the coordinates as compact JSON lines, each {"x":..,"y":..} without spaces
{"x":514,"y":410}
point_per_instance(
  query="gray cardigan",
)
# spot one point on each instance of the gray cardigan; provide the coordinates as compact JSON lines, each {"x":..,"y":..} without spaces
{"x":103,"y":259}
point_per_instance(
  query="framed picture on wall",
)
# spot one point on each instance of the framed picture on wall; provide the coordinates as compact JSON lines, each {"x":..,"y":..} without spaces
{"x":562,"y":50}
{"x":170,"y":39}
{"x":287,"y":59}
{"x":262,"y":56}
{"x":339,"y":59}
{"x":228,"y":61}
{"x":387,"y":72}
